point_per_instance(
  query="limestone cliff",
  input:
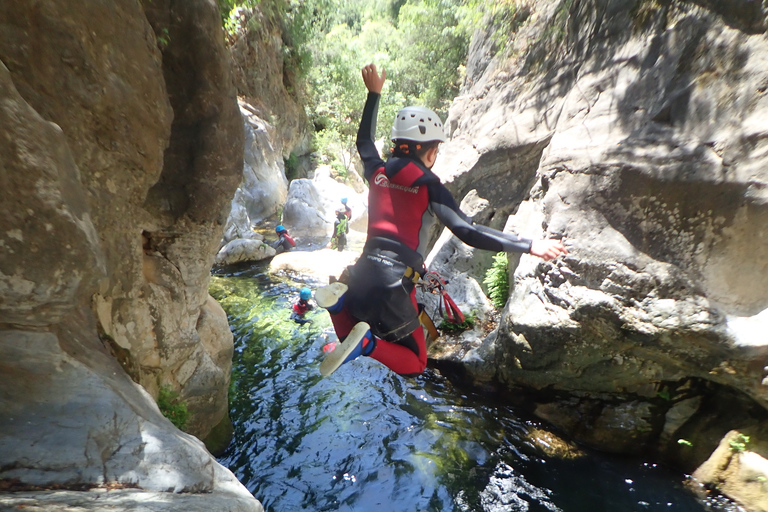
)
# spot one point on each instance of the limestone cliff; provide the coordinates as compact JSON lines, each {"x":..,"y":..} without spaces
{"x":276,"y":125}
{"x":636,"y":131}
{"x":122,"y":149}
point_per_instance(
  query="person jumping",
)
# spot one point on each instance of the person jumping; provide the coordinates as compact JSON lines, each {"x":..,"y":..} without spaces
{"x":375,"y":312}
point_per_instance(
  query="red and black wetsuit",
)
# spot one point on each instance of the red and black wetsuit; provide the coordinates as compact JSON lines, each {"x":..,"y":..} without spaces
{"x":301,"y":308}
{"x":405,"y":199}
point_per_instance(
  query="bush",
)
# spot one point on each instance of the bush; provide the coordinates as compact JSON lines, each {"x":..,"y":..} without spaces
{"x":468,"y":323}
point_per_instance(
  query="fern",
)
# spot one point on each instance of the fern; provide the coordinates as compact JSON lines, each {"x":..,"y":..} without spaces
{"x":497,"y":280}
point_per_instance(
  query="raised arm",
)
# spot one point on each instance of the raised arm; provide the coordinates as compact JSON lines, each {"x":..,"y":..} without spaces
{"x":366,"y":133}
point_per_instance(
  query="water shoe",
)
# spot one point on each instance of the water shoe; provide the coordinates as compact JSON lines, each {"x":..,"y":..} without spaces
{"x":331,"y":297}
{"x":358,"y":342}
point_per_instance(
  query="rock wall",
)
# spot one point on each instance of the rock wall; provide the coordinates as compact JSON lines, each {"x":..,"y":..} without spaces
{"x":637,"y":132}
{"x":276,"y":126}
{"x":123,"y":148}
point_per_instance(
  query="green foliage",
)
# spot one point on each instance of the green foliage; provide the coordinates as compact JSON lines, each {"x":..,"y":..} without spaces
{"x":422,"y":45}
{"x":739,"y":443}
{"x":506,"y":17}
{"x":291,"y":166}
{"x":468,"y":323}
{"x":295,"y":19}
{"x":497,"y":280}
{"x":173,"y":408}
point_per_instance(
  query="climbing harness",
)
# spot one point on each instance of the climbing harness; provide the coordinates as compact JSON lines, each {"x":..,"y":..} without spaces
{"x":431,"y":282}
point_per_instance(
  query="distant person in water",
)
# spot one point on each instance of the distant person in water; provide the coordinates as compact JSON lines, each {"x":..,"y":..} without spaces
{"x":347,"y":209}
{"x":375,"y":312}
{"x":284,"y":241}
{"x":302,"y":307}
{"x":340,"y":231}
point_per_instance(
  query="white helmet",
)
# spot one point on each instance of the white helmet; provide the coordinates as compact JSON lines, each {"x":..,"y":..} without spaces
{"x":418,"y":124}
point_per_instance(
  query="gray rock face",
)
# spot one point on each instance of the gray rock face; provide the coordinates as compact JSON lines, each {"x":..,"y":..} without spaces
{"x":263,"y":188}
{"x":311,"y":205}
{"x":123,"y":150}
{"x":645,"y":150}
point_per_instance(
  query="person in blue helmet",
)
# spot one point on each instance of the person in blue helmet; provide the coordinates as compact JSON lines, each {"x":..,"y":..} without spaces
{"x":347,"y":209}
{"x":284,"y":241}
{"x":302,"y":307}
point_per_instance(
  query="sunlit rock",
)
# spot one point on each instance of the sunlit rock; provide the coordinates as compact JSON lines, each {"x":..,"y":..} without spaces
{"x":645,"y":153}
{"x":737,"y":472}
{"x":312,"y":203}
{"x":243,"y":249}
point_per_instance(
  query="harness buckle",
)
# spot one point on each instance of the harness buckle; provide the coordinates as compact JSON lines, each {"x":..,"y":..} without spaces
{"x":411,"y":274}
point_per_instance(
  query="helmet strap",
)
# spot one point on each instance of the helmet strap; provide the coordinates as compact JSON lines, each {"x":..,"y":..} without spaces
{"x":406,"y":148}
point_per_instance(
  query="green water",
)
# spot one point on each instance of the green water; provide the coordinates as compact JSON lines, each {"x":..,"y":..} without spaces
{"x":366,"y":439}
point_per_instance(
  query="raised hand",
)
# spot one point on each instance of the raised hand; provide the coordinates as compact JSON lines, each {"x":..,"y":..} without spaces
{"x":373,"y":81}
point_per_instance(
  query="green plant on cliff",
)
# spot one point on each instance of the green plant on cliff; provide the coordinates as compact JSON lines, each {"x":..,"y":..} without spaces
{"x":739,"y":443}
{"x":291,"y":166}
{"x":172,"y":407}
{"x":497,"y":280}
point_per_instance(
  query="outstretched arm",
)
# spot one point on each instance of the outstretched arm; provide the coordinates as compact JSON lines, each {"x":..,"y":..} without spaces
{"x":548,"y":249}
{"x":483,"y":237}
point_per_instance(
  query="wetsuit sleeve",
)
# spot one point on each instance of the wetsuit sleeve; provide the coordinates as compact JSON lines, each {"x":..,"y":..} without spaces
{"x":366,"y":135}
{"x":482,"y":237}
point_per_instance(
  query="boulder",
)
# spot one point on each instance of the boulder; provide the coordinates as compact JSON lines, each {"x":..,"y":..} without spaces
{"x":737,"y":472}
{"x":243,"y":249}
{"x":311,"y":205}
{"x":303,"y":213}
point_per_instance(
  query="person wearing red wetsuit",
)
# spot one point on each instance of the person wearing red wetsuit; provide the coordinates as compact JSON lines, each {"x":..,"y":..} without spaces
{"x":375,"y":312}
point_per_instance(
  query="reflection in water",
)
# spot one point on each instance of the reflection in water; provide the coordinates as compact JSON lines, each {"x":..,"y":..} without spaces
{"x":366,"y":439}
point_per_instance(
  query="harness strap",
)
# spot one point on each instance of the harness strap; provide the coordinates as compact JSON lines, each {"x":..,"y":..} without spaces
{"x":433,"y":283}
{"x":428,"y":324}
{"x":404,"y":253}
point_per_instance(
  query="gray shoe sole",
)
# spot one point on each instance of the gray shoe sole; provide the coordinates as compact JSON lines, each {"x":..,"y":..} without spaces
{"x":333,"y":360}
{"x":328,"y":296}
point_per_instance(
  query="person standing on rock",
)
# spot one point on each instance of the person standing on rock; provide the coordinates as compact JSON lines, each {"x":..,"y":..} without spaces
{"x":340,"y":231}
{"x":375,"y":311}
{"x":347,"y":209}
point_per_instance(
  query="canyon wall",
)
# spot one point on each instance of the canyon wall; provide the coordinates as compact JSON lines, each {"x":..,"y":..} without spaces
{"x":636,"y":131}
{"x":123,"y":147}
